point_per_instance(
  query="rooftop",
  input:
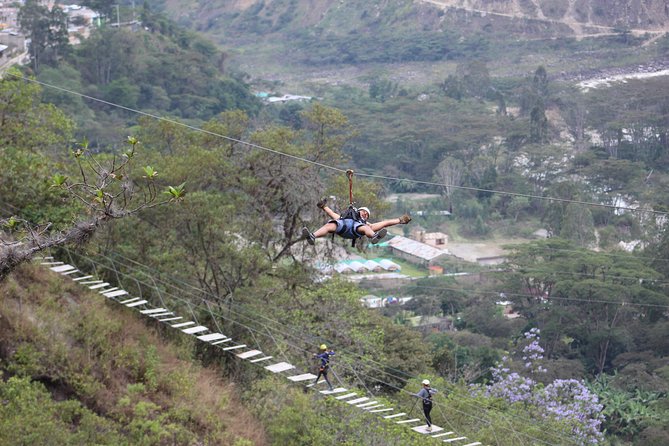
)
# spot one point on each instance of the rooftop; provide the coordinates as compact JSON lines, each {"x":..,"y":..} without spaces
{"x":417,"y":249}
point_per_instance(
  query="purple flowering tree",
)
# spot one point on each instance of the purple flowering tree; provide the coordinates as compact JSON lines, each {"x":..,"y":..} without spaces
{"x":568,"y":401}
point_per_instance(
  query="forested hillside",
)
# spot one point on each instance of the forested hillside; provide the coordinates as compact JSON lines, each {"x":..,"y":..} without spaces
{"x":560,"y":344}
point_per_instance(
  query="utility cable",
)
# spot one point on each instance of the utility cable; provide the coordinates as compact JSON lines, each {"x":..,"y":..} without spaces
{"x":530,"y":296}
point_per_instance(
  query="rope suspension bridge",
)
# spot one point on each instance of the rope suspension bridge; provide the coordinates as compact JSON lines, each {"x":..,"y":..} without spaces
{"x":190,"y":326}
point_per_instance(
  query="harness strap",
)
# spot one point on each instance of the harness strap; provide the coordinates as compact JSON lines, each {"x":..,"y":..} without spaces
{"x":349,"y":174}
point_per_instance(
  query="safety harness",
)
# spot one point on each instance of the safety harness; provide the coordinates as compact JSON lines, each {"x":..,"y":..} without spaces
{"x":350,"y":218}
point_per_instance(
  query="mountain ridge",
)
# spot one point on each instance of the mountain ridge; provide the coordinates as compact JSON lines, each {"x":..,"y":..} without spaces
{"x":558,"y":18}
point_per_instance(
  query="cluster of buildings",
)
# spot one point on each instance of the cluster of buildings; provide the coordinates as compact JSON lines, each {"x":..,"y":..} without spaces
{"x":14,"y":45}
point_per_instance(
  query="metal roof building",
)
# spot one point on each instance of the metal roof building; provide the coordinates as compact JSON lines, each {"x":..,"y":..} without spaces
{"x":413,"y":251}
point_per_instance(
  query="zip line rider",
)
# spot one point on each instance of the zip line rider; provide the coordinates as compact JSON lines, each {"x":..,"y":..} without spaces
{"x":353,"y":225}
{"x":426,"y":394}
{"x":324,"y":355}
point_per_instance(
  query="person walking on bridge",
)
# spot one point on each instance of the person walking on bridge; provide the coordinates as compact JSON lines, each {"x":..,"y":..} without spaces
{"x":426,"y":394}
{"x":324,"y":355}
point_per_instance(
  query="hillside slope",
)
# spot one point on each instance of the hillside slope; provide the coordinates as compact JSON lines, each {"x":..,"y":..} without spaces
{"x":77,"y":372}
{"x":562,"y":17}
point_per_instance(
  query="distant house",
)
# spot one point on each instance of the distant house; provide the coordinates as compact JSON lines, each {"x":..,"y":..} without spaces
{"x":288,"y":98}
{"x":435,"y":239}
{"x":432,"y":324}
{"x":415,"y":251}
{"x":372,"y":301}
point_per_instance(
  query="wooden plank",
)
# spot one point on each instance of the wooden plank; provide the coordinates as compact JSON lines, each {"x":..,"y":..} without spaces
{"x":330,"y":392}
{"x":222,"y":341}
{"x":477,"y":443}
{"x":302,"y":377}
{"x":348,"y":395}
{"x":454,"y":439}
{"x":261,"y":359}
{"x":388,"y":417}
{"x":99,"y":285}
{"x":358,"y":400}
{"x":167,"y":313}
{"x":234,"y":347}
{"x":367,"y":404}
{"x":76,"y":279}
{"x":413,"y":420}
{"x":108,"y":290}
{"x":153,"y":310}
{"x":423,"y":429}
{"x":443,"y":434}
{"x":176,"y":318}
{"x":116,"y":293}
{"x":212,"y":337}
{"x":279,"y":367}
{"x":193,"y":330}
{"x":381,"y":410}
{"x":127,"y":301}
{"x":138,"y":303}
{"x":376,"y":406}
{"x":71,"y":272}
{"x":249,"y":354}
{"x":91,"y":282}
{"x":183,"y":324}
{"x":62,"y":268}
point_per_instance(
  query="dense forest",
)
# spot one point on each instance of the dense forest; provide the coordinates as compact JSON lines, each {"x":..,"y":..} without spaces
{"x":168,"y":176}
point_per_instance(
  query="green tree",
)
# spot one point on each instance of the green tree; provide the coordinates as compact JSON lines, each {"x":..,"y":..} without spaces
{"x":28,"y":123}
{"x":47,"y":30}
{"x":586,"y":296}
{"x":577,"y":225}
{"x":538,"y":123}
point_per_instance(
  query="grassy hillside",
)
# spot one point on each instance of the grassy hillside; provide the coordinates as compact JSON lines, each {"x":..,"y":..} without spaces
{"x":77,"y":372}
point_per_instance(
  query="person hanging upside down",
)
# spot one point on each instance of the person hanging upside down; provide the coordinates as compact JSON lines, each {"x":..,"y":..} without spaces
{"x":352,"y":226}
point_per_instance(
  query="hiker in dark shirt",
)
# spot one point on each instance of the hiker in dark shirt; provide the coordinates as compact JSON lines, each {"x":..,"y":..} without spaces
{"x":426,"y":394}
{"x":324,"y":356}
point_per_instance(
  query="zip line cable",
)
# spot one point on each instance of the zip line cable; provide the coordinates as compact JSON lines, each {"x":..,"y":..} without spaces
{"x":178,"y":123}
{"x":512,"y":194}
{"x":326,"y":166}
{"x":301,"y":338}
